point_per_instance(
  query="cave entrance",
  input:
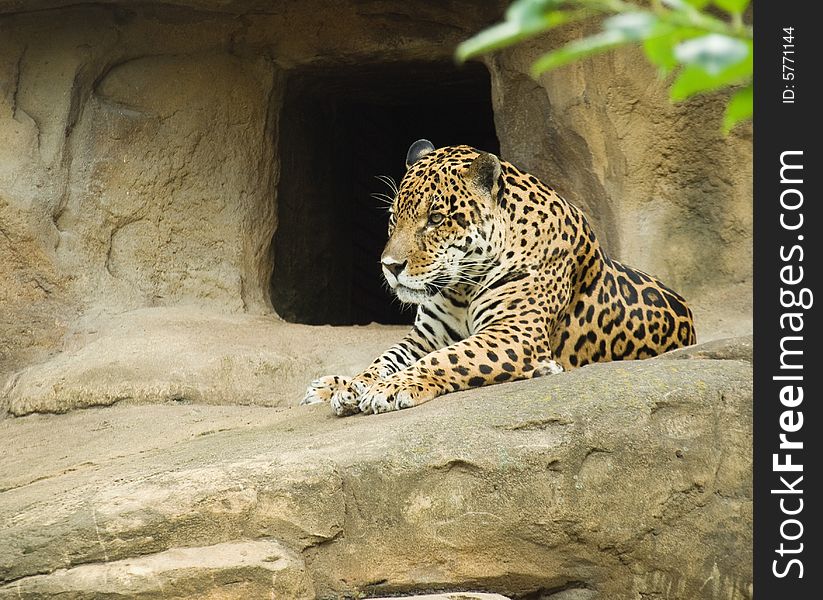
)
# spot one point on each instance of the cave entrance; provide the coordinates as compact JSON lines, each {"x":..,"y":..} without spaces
{"x":339,"y":128}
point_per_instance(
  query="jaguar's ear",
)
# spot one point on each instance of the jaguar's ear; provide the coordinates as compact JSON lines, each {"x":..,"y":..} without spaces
{"x":484,"y":173}
{"x":418,"y":150}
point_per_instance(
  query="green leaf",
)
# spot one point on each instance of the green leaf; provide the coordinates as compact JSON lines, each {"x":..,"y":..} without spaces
{"x":735,"y":7}
{"x":713,"y":52}
{"x":694,"y":79}
{"x":493,"y":38}
{"x":523,"y":19}
{"x":510,"y":32}
{"x":527,"y":11}
{"x":660,"y":44}
{"x":633,"y":25}
{"x":578,"y":49}
{"x":698,"y":3}
{"x":660,"y":51}
{"x":740,"y":108}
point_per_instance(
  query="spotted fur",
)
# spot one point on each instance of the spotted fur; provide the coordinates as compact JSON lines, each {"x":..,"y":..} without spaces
{"x":510,"y":283}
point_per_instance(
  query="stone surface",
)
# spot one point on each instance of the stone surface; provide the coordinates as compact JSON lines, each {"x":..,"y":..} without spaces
{"x":187,"y":355}
{"x":232,"y":570}
{"x":613,"y":481}
{"x":453,"y":596}
{"x":741,"y":348}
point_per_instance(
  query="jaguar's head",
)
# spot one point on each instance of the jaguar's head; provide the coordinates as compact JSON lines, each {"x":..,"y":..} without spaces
{"x":446,"y":224}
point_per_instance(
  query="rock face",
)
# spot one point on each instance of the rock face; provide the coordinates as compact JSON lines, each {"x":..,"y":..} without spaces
{"x":614,"y":481}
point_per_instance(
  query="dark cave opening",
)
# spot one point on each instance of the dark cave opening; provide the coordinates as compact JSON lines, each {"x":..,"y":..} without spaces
{"x":340,"y":128}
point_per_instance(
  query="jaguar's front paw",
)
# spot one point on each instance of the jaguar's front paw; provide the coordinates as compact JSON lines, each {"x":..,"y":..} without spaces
{"x":342,"y":393}
{"x":345,"y":401}
{"x":393,"y":394}
{"x":323,"y":389}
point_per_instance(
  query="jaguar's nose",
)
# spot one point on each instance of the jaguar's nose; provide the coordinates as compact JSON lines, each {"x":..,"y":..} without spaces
{"x":394,"y":267}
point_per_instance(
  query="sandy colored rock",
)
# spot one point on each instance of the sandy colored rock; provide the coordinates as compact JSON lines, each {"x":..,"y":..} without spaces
{"x":453,"y":596}
{"x":232,"y":570}
{"x":740,"y":348}
{"x":189,"y":356}
{"x":624,"y":478}
{"x":112,"y":193}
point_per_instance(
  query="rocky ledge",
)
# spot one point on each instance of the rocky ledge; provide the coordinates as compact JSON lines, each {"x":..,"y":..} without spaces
{"x":623,"y":480}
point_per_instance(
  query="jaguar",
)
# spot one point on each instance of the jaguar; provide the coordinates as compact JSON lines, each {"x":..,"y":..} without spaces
{"x":510,"y":283}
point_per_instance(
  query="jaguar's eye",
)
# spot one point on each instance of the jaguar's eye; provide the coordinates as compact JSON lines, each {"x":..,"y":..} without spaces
{"x":436,"y":218}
